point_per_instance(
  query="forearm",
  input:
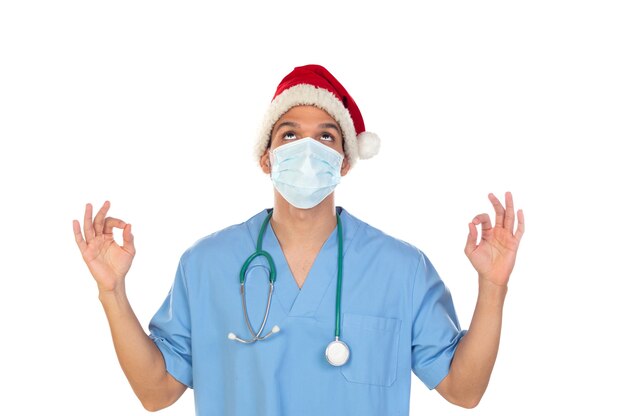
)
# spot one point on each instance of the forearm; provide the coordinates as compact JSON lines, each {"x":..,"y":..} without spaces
{"x":476,"y":353}
{"x":139,"y":357}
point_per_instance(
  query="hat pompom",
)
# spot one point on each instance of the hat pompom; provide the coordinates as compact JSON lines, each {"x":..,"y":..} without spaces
{"x":369,"y":144}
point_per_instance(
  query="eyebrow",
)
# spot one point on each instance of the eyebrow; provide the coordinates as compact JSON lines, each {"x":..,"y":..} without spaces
{"x":293,"y":124}
{"x":287,"y":124}
{"x":329,"y":126}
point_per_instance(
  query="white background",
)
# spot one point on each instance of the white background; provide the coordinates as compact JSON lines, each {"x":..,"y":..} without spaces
{"x":154,"y":106}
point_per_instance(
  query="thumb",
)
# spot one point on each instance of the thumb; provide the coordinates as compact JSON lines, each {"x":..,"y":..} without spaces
{"x":129,"y":239}
{"x":471,"y":245}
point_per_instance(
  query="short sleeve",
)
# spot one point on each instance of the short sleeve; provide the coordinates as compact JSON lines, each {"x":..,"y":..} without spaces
{"x":436,"y":331}
{"x":170,"y":329}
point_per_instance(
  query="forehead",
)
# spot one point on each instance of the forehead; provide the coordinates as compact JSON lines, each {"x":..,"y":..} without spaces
{"x":307,"y":114}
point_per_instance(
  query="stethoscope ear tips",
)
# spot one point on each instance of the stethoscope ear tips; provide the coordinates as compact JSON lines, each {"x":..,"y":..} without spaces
{"x":233,"y":337}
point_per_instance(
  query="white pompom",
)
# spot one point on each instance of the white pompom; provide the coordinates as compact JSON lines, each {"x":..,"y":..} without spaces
{"x":276,"y":329}
{"x":231,"y":335}
{"x":369,"y":144}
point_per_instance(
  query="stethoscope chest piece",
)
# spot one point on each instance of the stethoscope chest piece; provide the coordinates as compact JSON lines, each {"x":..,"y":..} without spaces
{"x":337,"y":353}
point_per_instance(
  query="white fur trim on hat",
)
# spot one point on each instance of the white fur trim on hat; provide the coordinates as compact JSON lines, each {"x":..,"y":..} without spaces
{"x":306,"y":94}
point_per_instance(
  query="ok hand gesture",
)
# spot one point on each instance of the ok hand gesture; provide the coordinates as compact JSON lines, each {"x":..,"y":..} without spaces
{"x":494,"y":256}
{"x":107,"y":261}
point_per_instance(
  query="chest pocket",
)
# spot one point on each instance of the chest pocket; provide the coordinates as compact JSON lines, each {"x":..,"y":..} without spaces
{"x":374,"y":343}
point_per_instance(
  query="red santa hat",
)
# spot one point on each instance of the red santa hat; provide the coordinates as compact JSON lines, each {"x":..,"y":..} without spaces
{"x":314,"y":85}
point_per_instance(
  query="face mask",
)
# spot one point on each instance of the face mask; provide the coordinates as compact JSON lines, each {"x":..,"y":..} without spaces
{"x":305,"y":171}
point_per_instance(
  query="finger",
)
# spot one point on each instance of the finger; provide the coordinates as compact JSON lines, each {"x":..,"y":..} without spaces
{"x":484,"y":220}
{"x":471,"y":245}
{"x":87,"y":223}
{"x":520,"y":225}
{"x":497,"y":206}
{"x":129,"y":240}
{"x":98,"y":221}
{"x":110,"y":223}
{"x":78,"y":236}
{"x":509,"y":215}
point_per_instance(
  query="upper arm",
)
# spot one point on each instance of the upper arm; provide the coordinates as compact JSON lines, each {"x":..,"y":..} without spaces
{"x":165,"y":394}
{"x":175,"y":389}
{"x":170,"y":329}
{"x":171,"y":333}
{"x":436,"y":331}
{"x":444,"y":388}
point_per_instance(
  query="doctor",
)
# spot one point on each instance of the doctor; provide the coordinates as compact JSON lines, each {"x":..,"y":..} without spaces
{"x":334,"y":278}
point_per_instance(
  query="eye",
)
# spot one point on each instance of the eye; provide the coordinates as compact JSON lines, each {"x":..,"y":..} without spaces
{"x":290,"y":135}
{"x":327,"y":137}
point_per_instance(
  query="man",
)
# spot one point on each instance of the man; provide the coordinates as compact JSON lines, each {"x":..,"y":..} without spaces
{"x":354,"y":309}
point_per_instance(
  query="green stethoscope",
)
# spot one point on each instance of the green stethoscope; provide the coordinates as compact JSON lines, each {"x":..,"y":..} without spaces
{"x":337,"y":351}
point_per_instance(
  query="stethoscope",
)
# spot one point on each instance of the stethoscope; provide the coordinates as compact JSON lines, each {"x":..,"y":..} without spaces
{"x":337,"y":351}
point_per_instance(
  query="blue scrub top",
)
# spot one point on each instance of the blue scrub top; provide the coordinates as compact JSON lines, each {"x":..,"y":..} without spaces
{"x":397,"y":315}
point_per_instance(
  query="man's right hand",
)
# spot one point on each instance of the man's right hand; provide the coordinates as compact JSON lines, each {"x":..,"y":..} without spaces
{"x":107,"y":261}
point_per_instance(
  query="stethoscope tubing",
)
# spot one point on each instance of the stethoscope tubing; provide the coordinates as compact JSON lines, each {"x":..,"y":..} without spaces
{"x":256,"y":336}
{"x":339,"y":277}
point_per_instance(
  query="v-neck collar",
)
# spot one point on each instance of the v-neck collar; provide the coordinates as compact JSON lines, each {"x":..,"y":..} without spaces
{"x":303,"y":302}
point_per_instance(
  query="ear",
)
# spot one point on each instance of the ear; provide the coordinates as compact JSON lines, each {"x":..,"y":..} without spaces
{"x":345,"y":166}
{"x":264,"y":162}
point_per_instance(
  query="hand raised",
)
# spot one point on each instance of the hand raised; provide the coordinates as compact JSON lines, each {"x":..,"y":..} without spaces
{"x":107,"y":261}
{"x":494,"y":255}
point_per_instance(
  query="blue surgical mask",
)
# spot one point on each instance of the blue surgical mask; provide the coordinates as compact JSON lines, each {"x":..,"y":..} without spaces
{"x":305,"y":171}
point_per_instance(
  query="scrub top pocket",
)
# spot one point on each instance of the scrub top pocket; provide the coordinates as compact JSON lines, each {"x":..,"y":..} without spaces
{"x":374,"y":343}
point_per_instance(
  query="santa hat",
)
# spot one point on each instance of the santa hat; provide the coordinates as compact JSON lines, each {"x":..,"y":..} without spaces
{"x":314,"y":85}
